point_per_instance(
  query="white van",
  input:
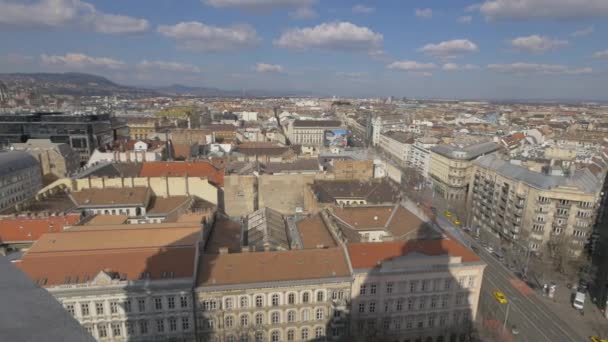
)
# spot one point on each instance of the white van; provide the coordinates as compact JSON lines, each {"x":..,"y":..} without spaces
{"x":579,"y":301}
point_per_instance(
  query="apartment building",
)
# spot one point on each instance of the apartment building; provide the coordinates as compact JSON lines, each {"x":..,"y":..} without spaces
{"x":398,"y":145}
{"x":311,"y":132}
{"x":533,"y":208}
{"x":420,"y":155}
{"x":20,"y":178}
{"x":125,"y":283}
{"x":450,"y":167}
{"x":422,"y":290}
{"x":297,"y":295}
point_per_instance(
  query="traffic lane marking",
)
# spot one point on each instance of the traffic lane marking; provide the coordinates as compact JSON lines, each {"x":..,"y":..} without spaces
{"x":531,"y":307}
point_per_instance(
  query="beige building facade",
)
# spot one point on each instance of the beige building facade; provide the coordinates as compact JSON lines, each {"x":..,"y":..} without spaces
{"x":450,"y":168}
{"x":418,"y":290}
{"x":533,"y":208}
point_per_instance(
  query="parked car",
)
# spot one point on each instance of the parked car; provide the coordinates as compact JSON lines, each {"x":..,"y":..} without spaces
{"x":579,"y":300}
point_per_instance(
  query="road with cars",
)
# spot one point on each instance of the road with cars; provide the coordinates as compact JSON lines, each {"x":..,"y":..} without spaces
{"x":533,"y":320}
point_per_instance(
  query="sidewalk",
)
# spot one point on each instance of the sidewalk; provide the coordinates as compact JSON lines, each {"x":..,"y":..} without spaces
{"x":592,"y":323}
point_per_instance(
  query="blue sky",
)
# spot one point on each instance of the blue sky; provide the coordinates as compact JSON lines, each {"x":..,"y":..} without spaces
{"x":496,"y":49}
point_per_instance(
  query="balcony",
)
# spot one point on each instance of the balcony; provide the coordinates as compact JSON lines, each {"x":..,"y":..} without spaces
{"x":566,"y":205}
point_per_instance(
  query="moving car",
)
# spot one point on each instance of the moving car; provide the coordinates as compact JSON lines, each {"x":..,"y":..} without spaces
{"x":447,"y":213}
{"x":500,"y":297}
{"x":456,"y":221}
{"x":597,"y":339}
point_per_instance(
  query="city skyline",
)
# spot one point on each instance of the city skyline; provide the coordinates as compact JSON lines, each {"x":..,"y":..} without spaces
{"x":493,"y":49}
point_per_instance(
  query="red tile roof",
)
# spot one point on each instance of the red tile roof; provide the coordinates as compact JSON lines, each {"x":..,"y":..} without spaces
{"x":369,"y":255}
{"x":181,"y":169}
{"x":13,"y":229}
{"x":83,"y":266}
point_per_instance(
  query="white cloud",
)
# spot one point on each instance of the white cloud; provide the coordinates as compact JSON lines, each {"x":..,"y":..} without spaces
{"x":583,"y":32}
{"x":304,"y":13}
{"x":67,"y":13}
{"x":269,"y":68}
{"x":407,"y":65}
{"x":168,"y":66}
{"x":465,"y":19}
{"x":197,"y":36}
{"x":81,"y":61}
{"x":258,"y":4}
{"x":532,"y":68}
{"x":450,"y":48}
{"x":331,"y":36}
{"x":543,"y":9}
{"x":458,"y":67}
{"x":601,"y":54}
{"x":362,"y":9}
{"x":537,"y":44}
{"x":425,"y":13}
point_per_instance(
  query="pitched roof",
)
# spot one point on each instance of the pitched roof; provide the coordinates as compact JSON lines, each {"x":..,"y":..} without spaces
{"x":181,"y":169}
{"x":314,"y":233}
{"x":317,"y":123}
{"x":370,"y":255}
{"x":295,"y":166}
{"x":97,"y":239}
{"x":15,"y":160}
{"x":13,"y":229}
{"x":166,"y":205}
{"x":374,"y":192}
{"x":111,"y":196}
{"x":82,"y":266}
{"x":265,"y":267}
{"x":266,"y":228}
{"x":106,"y":219}
{"x":225,"y":233}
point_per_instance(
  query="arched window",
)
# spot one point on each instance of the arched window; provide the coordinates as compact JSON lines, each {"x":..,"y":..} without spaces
{"x":319,"y":332}
{"x":244,"y":337}
{"x":230,"y":338}
{"x":304,"y":334}
{"x":275,"y":318}
{"x":259,"y":336}
{"x":291,"y":298}
{"x":275,"y":336}
{"x":291,"y":316}
{"x":259,"y":318}
{"x":291,"y":335}
{"x":244,"y":302}
{"x":319,"y":314}
{"x":229,"y":321}
{"x":228,"y":305}
{"x":320,"y":296}
{"x":244,"y":320}
{"x":275,"y":300}
{"x":259,"y":301}
{"x":305,"y":297}
{"x":305,"y":315}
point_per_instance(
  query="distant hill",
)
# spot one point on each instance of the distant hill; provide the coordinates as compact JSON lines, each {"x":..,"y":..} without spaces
{"x":81,"y":84}
{"x":76,"y":84}
{"x":182,"y":90}
{"x":178,"y":89}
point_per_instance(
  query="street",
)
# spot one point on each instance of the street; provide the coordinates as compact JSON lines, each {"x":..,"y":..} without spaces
{"x":534,"y":320}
